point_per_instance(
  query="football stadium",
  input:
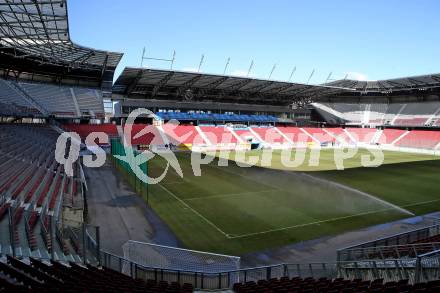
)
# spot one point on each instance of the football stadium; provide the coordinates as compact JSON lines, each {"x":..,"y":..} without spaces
{"x":153,"y":179}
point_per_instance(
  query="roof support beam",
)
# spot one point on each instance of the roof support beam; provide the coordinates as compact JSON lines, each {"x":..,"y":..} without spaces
{"x":187,"y":85}
{"x":161,"y":83}
{"x":133,"y":85}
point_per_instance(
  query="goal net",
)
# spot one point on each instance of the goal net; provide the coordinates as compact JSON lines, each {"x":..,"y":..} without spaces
{"x":166,"y":257}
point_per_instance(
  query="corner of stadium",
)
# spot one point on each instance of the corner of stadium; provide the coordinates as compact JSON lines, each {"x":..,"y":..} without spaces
{"x":172,"y":181}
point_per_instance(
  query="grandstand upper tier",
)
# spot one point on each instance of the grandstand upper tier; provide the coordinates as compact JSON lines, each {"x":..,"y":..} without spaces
{"x":168,"y":84}
{"x":192,"y":96}
{"x":405,"y":84}
{"x":212,"y":94}
{"x":402,"y":102}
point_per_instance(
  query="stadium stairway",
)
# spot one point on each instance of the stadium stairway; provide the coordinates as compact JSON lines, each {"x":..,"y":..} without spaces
{"x":31,"y":186}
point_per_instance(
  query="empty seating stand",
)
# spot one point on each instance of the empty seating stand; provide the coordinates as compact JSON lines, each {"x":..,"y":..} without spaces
{"x":362,"y":135}
{"x":31,"y":185}
{"x":84,"y":130}
{"x":219,"y":135}
{"x":208,"y":117}
{"x":285,"y":136}
{"x":420,"y":139}
{"x":397,"y":114}
{"x":38,"y":276}
{"x":13,"y":103}
{"x":324,"y":285}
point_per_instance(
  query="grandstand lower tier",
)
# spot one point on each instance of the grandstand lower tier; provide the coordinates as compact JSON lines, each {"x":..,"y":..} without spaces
{"x":39,"y":276}
{"x":311,"y":285}
{"x":33,"y":275}
{"x":34,"y":191}
{"x":277,"y":137}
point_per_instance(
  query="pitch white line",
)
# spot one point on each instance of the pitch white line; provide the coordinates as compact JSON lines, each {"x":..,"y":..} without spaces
{"x":307,"y":224}
{"x":194,"y":211}
{"x":173,"y":182}
{"x":329,"y":220}
{"x":225,"y":169}
{"x":342,"y":186}
{"x":228,"y":194}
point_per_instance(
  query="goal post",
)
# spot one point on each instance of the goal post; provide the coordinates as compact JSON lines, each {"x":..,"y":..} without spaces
{"x":167,"y":257}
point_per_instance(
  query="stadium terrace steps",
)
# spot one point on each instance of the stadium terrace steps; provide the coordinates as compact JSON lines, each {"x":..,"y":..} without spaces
{"x":219,"y":135}
{"x":187,"y":134}
{"x":68,"y":99}
{"x":246,"y":135}
{"x":38,"y":276}
{"x":310,"y":285}
{"x":281,"y":136}
{"x":320,"y":135}
{"x":205,"y":138}
{"x":339,"y":134}
{"x":363,"y":135}
{"x":420,"y":139}
{"x":31,"y":184}
{"x":397,"y":114}
{"x":239,"y":138}
{"x":296,"y":135}
{"x":412,"y":121}
{"x":390,"y":135}
{"x":25,"y":98}
{"x":271,"y":135}
{"x":84,"y":130}
{"x":400,"y":137}
{"x":12,"y":103}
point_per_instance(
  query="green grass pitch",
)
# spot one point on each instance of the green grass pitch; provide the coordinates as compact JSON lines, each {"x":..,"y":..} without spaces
{"x":235,"y":210}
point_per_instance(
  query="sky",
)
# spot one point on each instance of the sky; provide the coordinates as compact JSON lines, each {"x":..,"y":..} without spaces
{"x":366,"y":39}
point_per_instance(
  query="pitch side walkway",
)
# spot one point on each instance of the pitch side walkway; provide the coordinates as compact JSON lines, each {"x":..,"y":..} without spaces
{"x":120,"y":213}
{"x":324,"y":249}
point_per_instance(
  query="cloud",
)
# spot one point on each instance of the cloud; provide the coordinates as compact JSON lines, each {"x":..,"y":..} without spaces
{"x":357,"y":76}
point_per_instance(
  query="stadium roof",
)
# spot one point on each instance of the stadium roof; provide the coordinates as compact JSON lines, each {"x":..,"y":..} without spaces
{"x":35,"y":43}
{"x":39,"y":29}
{"x":168,"y":84}
{"x":423,"y":82}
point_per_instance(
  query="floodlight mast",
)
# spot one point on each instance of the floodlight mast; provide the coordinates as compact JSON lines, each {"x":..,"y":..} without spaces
{"x":226,"y":66}
{"x":328,"y":77}
{"x":201,"y":62}
{"x":271,"y":72}
{"x":292,"y":73}
{"x":250,"y":68}
{"x":310,"y":77}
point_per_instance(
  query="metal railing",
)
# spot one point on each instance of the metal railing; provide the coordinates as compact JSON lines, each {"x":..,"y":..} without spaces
{"x":357,"y":251}
{"x":56,"y":239}
{"x":428,"y":267}
{"x":387,"y":252}
{"x":423,"y":268}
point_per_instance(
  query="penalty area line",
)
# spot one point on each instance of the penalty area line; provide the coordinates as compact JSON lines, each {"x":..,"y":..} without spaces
{"x":330,"y":220}
{"x":194,"y":211}
{"x":309,"y":224}
{"x":229,"y":194}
